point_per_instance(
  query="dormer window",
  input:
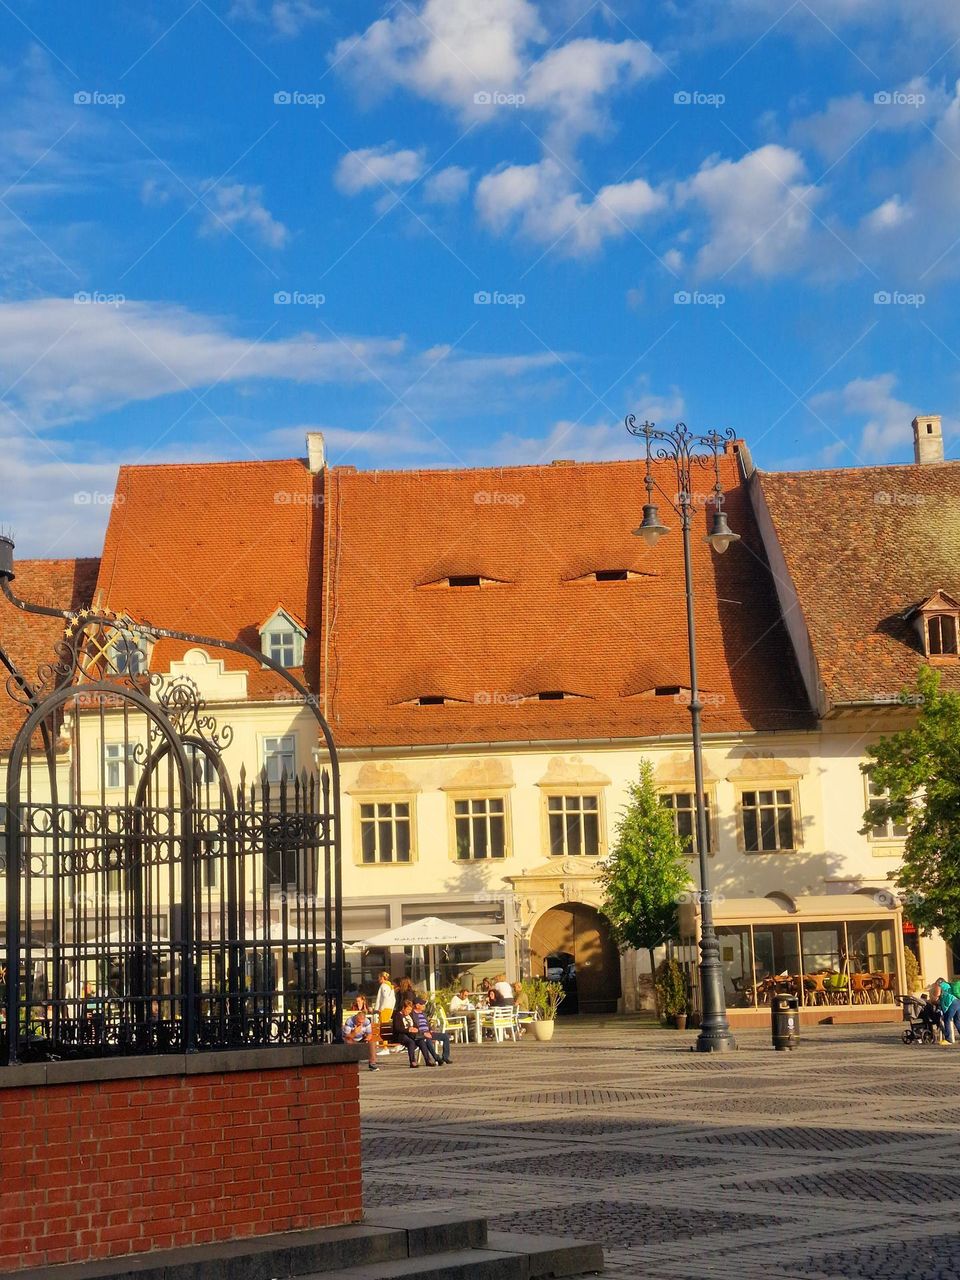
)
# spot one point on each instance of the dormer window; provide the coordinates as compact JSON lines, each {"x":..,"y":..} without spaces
{"x":282,"y":638}
{"x":612,"y":575}
{"x":937,"y":619}
{"x":431,"y":700}
{"x":465,"y":580}
{"x":129,"y":655}
{"x":461,"y":582}
{"x":942,"y":635}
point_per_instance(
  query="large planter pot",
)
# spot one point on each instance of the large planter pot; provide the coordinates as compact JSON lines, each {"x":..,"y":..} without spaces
{"x":542,"y":1030}
{"x":680,"y":1021}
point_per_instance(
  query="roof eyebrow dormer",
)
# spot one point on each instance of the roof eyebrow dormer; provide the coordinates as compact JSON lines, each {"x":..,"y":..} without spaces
{"x":462,"y":581}
{"x":613,"y":575}
{"x":282,"y":637}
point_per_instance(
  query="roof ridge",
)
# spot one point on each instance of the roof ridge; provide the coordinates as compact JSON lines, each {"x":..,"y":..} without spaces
{"x":919,"y":467}
{"x":219,"y":462}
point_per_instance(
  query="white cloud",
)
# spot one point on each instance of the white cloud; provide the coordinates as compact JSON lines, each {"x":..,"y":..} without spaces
{"x":288,"y":18}
{"x":570,"y":83}
{"x":539,"y":200}
{"x":602,"y":441}
{"x":446,"y":51}
{"x":886,"y":431}
{"x":378,"y":442}
{"x":65,"y":361}
{"x":888,"y":215}
{"x":844,"y":121}
{"x":759,"y":210}
{"x":239,"y":208}
{"x":447,"y":186}
{"x":377,"y":166}
{"x":451,"y":51}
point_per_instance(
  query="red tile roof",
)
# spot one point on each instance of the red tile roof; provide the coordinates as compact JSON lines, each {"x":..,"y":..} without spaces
{"x":862,"y":546}
{"x":28,"y":639}
{"x":213,"y":548}
{"x":389,"y":639}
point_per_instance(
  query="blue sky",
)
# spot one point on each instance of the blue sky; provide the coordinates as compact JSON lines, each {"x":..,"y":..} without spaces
{"x":467,"y":232}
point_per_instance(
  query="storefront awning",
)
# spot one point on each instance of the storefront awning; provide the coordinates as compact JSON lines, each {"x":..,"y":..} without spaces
{"x":783,"y":907}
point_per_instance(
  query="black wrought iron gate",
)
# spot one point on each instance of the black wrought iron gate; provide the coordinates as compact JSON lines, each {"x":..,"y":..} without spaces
{"x":154,"y":904}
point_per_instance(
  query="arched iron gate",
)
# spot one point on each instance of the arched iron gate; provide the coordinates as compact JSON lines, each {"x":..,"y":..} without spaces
{"x":154,"y":904}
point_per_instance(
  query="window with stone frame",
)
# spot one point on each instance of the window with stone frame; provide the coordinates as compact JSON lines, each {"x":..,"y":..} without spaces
{"x":386,"y":832}
{"x":888,"y":830}
{"x":684,"y":814}
{"x":942,"y":635}
{"x":480,"y":828}
{"x":573,"y":823}
{"x":769,"y":820}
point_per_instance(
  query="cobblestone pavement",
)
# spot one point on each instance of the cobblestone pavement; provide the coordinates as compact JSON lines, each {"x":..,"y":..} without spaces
{"x":841,"y":1159}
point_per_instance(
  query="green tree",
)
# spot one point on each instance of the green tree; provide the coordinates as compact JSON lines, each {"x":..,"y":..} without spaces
{"x":647,"y":872}
{"x":919,"y":770}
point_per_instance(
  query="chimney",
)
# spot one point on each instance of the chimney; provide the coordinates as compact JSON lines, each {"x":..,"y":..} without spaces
{"x":317,"y":453}
{"x":927,"y":439}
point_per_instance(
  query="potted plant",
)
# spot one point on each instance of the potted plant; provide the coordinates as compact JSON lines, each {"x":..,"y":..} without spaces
{"x":543,"y":999}
{"x":672,"y":993}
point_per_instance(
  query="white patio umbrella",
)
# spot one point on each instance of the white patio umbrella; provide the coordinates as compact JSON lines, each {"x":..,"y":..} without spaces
{"x":430,"y":932}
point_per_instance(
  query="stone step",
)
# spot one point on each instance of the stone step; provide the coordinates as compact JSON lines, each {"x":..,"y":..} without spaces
{"x":503,"y":1257}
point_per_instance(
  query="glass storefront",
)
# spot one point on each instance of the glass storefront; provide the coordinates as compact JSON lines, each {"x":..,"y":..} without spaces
{"x":844,"y":962}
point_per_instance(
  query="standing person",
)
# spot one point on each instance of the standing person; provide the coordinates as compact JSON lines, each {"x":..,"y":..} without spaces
{"x":359,"y":1028}
{"x":429,"y":1038}
{"x":503,"y":989}
{"x":384,"y":1006}
{"x":950,"y":1009}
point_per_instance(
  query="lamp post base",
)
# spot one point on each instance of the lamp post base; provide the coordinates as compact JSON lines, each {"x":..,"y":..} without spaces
{"x":715,"y":1042}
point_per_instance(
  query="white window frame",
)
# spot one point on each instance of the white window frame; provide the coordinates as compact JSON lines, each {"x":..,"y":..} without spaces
{"x":268,"y":757}
{"x":670,"y":793}
{"x":578,"y":794}
{"x":890,"y":835}
{"x":392,"y":819}
{"x":483,"y":798}
{"x":756,"y":788}
{"x":114,"y":758}
{"x":279,"y":626}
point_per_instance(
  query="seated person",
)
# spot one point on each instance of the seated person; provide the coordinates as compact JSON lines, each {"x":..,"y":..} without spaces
{"x":359,"y":1027}
{"x":460,"y":1004}
{"x":406,"y":1032}
{"x":429,"y":1037}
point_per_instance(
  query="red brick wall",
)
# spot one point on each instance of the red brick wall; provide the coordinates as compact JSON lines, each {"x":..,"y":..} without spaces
{"x":97,"y":1170}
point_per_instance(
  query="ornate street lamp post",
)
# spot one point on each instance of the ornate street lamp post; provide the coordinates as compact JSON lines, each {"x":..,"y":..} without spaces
{"x":684,"y":449}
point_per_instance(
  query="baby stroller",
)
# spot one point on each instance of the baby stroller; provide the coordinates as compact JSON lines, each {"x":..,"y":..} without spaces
{"x":924,"y":1018}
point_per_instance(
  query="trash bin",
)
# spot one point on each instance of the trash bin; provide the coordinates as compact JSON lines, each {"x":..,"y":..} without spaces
{"x":785,"y":1019}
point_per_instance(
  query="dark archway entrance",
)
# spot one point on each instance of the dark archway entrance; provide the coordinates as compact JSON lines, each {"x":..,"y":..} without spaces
{"x":574,"y":944}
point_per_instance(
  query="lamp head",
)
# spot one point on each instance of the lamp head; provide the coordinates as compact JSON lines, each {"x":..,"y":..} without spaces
{"x":651,"y":530}
{"x":721,"y":535}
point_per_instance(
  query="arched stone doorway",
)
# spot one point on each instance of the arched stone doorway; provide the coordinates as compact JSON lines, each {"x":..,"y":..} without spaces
{"x":576,"y":939}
